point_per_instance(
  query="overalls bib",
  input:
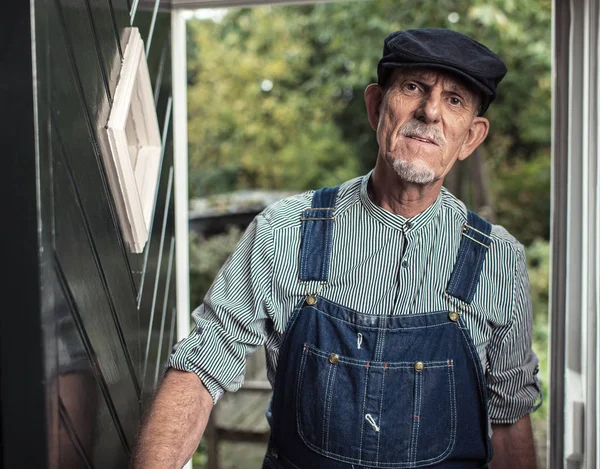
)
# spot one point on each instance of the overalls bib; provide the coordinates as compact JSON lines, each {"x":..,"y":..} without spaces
{"x":358,"y":391}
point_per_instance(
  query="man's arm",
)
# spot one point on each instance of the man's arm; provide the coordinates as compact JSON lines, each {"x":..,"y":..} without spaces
{"x":174,"y":423}
{"x":513,"y":445}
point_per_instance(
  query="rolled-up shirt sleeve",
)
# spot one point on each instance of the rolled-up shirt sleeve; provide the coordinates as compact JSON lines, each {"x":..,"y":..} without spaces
{"x":231,"y":322}
{"x":513,"y":386}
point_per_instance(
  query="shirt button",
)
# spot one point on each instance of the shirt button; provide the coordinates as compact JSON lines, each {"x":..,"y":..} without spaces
{"x":408,"y":225}
{"x":334,"y":358}
{"x":404,"y":264}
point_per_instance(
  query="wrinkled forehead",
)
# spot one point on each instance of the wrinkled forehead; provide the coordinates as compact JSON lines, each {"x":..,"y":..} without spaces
{"x":432,"y":76}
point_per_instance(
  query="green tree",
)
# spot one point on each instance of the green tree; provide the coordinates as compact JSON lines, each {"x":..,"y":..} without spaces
{"x":276,"y":101}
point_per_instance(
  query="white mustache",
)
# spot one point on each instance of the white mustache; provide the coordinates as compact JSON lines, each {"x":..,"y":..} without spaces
{"x":416,"y":128}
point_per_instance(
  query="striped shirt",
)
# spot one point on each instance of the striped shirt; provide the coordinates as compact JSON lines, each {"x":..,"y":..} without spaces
{"x":381,"y":263}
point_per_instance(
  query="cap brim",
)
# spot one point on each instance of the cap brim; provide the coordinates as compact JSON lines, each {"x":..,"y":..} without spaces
{"x":488,"y":94}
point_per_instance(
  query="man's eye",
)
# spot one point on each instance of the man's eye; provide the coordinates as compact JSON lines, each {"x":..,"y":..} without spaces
{"x":411,"y":87}
{"x":455,"y":101}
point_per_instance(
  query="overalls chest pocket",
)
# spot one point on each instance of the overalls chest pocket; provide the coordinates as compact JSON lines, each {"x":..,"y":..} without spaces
{"x":376,"y":414}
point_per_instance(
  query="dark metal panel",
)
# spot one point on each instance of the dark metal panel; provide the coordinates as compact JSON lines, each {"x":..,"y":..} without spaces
{"x":75,"y":22}
{"x":120,"y":13}
{"x":91,"y":434}
{"x":106,"y":41}
{"x":78,"y":261}
{"x":80,"y":112}
{"x":27,"y":347}
{"x":159,"y":65}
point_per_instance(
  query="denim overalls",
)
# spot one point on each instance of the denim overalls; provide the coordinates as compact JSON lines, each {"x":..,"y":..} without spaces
{"x":357,"y":391}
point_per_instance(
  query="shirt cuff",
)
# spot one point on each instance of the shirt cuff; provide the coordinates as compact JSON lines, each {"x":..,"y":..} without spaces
{"x":179,"y":361}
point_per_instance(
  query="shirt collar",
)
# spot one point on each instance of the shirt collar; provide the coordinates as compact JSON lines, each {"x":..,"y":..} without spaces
{"x":394,"y":221}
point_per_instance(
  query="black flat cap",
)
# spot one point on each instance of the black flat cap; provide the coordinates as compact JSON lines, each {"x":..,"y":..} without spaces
{"x":447,"y":50}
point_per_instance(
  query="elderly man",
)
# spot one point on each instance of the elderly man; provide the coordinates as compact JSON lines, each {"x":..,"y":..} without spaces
{"x":396,"y":323}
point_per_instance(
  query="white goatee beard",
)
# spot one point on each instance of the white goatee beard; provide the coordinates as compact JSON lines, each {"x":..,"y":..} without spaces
{"x":414,"y":172}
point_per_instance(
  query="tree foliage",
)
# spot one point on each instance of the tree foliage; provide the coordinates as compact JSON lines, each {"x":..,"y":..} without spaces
{"x":275,"y":95}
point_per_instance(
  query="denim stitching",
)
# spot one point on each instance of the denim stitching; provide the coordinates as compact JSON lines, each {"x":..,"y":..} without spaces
{"x":477,"y":371}
{"x":428,"y":313}
{"x":412,"y":452}
{"x":299,"y":390}
{"x":329,"y":401}
{"x":421,"y":378}
{"x":330,"y":366}
{"x":374,"y":464}
{"x":467,"y":281}
{"x":362,"y":428}
{"x":460,"y":258}
{"x":457,"y":274}
{"x":453,"y":424}
{"x":303,"y":254}
{"x":372,"y":364}
{"x":383,"y":328}
{"x":476,"y":268}
{"x":378,"y":353}
{"x":327,"y":254}
{"x":482,"y":390}
{"x":309,"y":241}
{"x":380,"y":413}
{"x":453,"y":419}
{"x":463,"y":258}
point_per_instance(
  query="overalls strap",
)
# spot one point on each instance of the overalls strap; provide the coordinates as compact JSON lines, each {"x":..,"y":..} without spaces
{"x":317,"y":234}
{"x":474,"y":245}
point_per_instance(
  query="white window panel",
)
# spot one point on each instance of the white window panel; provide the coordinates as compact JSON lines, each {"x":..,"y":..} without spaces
{"x":135,"y":146}
{"x":575,"y":290}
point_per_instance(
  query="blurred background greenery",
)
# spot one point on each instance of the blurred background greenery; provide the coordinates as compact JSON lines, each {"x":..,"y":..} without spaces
{"x":275,"y":102}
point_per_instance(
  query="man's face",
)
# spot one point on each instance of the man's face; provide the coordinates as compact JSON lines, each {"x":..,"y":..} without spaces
{"x":425,"y":120}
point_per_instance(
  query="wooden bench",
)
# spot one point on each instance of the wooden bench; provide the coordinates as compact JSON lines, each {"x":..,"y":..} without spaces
{"x":240,"y":416}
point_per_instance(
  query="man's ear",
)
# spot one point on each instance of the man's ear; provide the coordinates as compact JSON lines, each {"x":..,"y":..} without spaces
{"x":373,"y":98}
{"x":477,"y":134}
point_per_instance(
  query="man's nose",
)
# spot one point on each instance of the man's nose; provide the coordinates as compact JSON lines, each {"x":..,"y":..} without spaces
{"x":429,"y":109}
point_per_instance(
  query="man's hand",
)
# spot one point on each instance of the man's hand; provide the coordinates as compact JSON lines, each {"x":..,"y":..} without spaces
{"x":174,"y":423}
{"x":513,"y":446}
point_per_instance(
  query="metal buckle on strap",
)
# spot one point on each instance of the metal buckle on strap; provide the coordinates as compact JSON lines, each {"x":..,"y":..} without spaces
{"x":332,"y":209}
{"x":311,"y":298}
{"x":464,"y":233}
